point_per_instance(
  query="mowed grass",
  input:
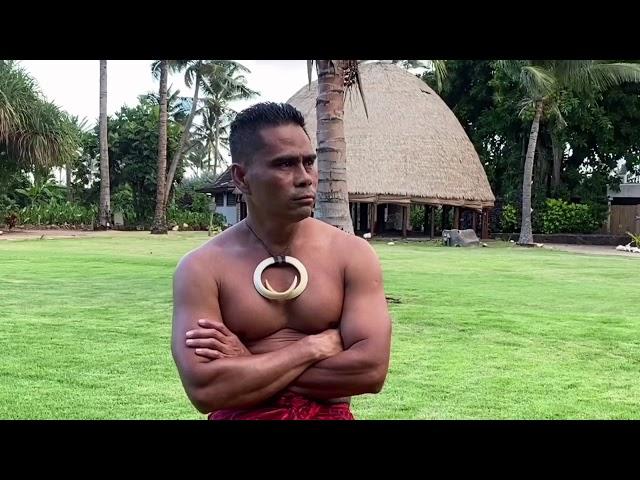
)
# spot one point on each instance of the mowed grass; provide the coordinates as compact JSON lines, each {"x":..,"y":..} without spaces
{"x":489,"y":333}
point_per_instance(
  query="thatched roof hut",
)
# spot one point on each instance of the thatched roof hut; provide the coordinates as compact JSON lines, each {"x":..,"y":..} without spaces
{"x":411,"y":148}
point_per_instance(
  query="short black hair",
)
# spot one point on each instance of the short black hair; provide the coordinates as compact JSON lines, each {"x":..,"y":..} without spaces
{"x":244,"y":139}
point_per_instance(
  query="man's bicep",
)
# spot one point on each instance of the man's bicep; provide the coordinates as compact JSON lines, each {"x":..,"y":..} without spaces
{"x":195,"y":296}
{"x":365,"y":315}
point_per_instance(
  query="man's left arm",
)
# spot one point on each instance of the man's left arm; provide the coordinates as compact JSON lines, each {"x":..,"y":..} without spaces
{"x":365,"y":328}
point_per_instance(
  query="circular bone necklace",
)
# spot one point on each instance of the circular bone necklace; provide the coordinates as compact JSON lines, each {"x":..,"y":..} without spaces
{"x":266,"y":290}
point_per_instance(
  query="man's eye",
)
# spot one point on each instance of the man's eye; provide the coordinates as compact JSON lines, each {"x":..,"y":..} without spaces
{"x":309,"y":163}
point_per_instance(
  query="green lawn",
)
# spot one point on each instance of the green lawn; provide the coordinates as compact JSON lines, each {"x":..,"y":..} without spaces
{"x":497,"y":332}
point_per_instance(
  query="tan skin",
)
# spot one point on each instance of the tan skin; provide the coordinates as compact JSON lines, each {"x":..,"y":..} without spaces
{"x":234,"y":348}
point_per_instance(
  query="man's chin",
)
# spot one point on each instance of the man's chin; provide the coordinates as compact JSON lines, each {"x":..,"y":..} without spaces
{"x":301,"y":213}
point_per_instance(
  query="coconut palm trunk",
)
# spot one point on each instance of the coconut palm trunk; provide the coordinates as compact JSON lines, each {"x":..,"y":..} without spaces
{"x":526,"y":233}
{"x":67,"y":169}
{"x":105,"y":189}
{"x":215,"y":151}
{"x":332,"y":205}
{"x":186,"y":133}
{"x":160,"y":218}
{"x":558,"y":155}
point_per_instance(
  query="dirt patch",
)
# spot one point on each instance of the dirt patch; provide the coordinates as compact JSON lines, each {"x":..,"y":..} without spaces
{"x":20,"y":234}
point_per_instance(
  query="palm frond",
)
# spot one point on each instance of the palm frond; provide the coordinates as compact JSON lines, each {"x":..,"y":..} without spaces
{"x":537,"y":81}
{"x":602,"y":76}
{"x":351,"y":78}
{"x":512,"y":68}
{"x":309,"y":71}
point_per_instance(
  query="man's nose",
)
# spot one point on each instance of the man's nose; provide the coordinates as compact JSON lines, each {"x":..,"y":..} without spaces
{"x":303,"y":177}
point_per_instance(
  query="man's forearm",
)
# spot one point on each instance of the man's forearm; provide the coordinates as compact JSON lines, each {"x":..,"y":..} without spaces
{"x":352,"y":372}
{"x":241,"y":382}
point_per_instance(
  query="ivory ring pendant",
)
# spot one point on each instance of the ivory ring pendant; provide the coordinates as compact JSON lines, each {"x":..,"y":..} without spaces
{"x":293,"y":291}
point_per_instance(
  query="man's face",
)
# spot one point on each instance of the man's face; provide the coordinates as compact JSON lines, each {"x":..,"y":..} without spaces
{"x":282,"y":178}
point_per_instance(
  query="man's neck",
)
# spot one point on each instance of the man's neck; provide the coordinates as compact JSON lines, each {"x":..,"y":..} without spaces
{"x":277,"y":235}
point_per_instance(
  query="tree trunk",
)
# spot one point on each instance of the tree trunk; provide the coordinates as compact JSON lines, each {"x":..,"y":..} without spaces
{"x":332,"y":205}
{"x":105,"y":188}
{"x":558,"y":154}
{"x":186,"y":133}
{"x":526,"y":233}
{"x":208,"y":155}
{"x":160,"y":218}
{"x":68,"y":175}
{"x":215,"y":148}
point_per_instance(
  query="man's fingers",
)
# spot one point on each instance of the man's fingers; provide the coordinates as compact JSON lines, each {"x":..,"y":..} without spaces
{"x":210,"y":354}
{"x":210,"y":343}
{"x":205,"y":333}
{"x":203,"y":322}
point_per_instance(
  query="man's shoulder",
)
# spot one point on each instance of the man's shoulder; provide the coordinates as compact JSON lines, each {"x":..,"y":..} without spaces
{"x":201,"y":258}
{"x":343,"y":241}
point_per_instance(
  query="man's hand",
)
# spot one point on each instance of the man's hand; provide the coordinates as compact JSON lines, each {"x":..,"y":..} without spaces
{"x":214,"y":340}
{"x":328,"y":343}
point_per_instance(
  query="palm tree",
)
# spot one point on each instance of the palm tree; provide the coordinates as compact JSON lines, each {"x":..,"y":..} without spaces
{"x":178,"y":107}
{"x":335,"y":77}
{"x":105,"y":190}
{"x":200,"y":74}
{"x":193,"y":76}
{"x":224,"y":84}
{"x":33,"y":132}
{"x":211,"y":138}
{"x":160,"y":217}
{"x":543,"y":80}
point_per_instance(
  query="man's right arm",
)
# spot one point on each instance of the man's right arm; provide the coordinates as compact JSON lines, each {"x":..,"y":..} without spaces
{"x":232,"y":382}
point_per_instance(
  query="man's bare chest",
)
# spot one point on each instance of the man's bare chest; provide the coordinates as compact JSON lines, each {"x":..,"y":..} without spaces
{"x":253,"y":317}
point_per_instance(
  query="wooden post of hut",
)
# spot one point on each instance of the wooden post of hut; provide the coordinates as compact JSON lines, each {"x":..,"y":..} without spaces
{"x":445,"y":217}
{"x":426,"y":219}
{"x":456,"y":217}
{"x":364,"y":215}
{"x":372,"y":217}
{"x":405,"y":209}
{"x":433,"y":221}
{"x":485,"y":224}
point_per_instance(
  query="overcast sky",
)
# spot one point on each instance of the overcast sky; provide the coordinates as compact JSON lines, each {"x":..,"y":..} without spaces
{"x":73,"y":85}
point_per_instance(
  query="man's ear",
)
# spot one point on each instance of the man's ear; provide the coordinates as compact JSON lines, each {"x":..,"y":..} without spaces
{"x":238,"y":173}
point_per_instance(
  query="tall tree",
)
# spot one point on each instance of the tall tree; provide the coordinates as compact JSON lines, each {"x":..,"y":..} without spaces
{"x":334,"y":78}
{"x":543,"y":81}
{"x":160,"y":218}
{"x":105,"y":190}
{"x":200,"y":74}
{"x":224,"y":83}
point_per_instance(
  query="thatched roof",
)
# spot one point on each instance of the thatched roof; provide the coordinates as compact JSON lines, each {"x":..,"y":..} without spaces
{"x":224,"y":183}
{"x":412,"y":147}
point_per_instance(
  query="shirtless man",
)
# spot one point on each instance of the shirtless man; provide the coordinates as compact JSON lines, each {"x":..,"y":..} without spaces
{"x":241,"y":355}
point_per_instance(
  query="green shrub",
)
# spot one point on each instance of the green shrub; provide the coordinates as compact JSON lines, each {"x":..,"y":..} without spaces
{"x":562,"y":217}
{"x":509,"y":218}
{"x":416,"y":217}
{"x":122,"y":201}
{"x":194,"y":220}
{"x":55,"y":213}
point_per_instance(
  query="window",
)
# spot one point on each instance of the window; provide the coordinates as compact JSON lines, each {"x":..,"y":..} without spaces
{"x":219,"y":200}
{"x":231,"y":199}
